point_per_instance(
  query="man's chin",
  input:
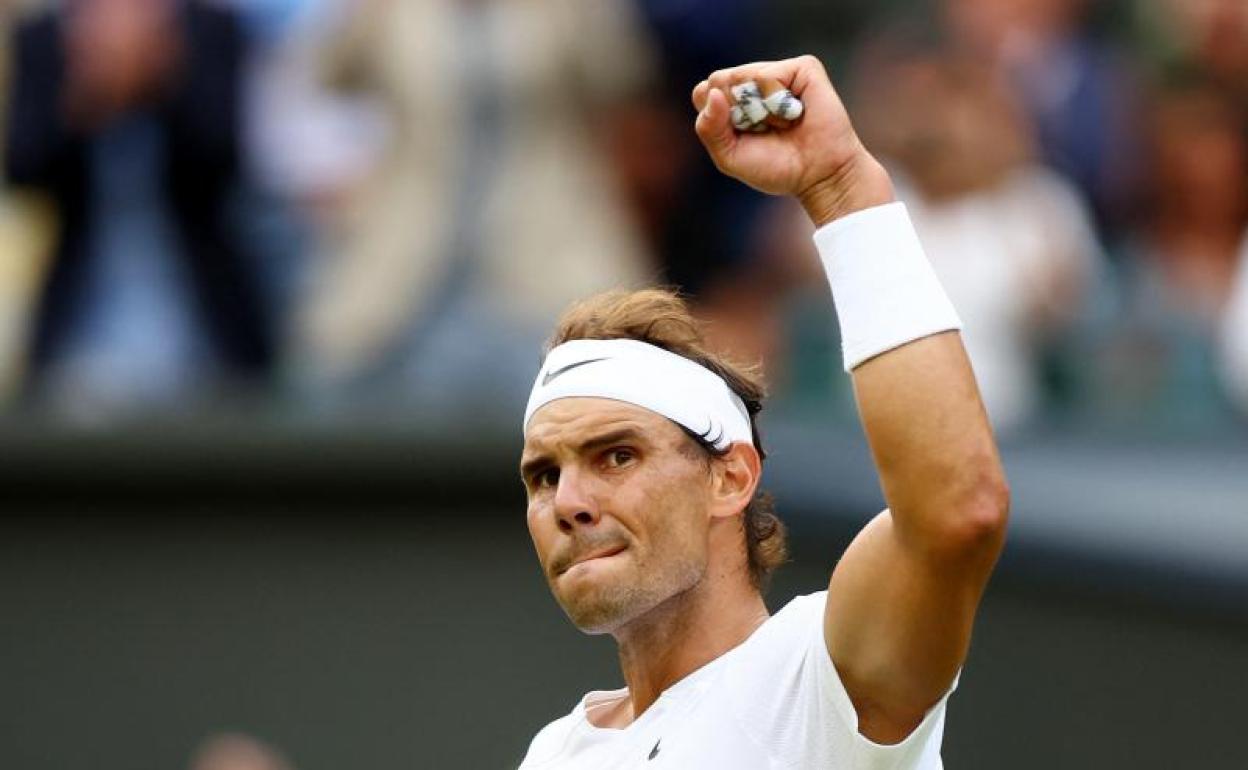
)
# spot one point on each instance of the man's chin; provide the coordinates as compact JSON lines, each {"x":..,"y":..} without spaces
{"x":611,"y":596}
{"x":606,"y":622}
{"x":596,"y":627}
{"x":602,"y":610}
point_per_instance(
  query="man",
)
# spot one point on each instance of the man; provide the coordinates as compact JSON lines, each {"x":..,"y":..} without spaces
{"x":642,"y":465}
{"x":125,"y":113}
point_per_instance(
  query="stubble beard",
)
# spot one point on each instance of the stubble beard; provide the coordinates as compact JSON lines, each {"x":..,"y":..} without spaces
{"x":627,"y":599}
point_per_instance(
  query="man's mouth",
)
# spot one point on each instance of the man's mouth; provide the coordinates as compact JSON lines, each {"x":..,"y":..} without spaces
{"x":601,"y":553}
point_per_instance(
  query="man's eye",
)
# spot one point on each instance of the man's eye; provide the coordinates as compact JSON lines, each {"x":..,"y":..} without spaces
{"x":546,"y":478}
{"x":619,"y":457}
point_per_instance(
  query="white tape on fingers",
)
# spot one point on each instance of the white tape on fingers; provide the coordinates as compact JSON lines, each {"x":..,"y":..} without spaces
{"x":750,"y":109}
{"x":754,"y":110}
{"x":739,"y":119}
{"x":747,"y":90}
{"x":783,"y":104}
{"x":749,"y":98}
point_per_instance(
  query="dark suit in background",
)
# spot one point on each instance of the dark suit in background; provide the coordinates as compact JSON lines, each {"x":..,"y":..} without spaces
{"x":197,"y":115}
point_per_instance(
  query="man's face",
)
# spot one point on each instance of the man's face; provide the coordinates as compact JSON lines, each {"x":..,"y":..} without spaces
{"x":618,"y":508}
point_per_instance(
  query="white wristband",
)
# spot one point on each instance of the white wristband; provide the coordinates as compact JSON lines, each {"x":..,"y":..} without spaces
{"x":885,"y":290}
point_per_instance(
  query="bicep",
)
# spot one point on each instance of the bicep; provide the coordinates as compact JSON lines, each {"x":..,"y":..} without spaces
{"x":898,"y":624}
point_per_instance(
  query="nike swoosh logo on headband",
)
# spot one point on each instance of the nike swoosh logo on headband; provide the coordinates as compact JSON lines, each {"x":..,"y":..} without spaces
{"x":550,"y":376}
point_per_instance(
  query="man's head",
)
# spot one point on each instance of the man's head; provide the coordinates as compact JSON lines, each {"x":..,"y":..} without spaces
{"x":629,"y":508}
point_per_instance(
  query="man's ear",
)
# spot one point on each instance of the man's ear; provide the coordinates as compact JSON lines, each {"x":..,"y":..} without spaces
{"x":735,"y":477}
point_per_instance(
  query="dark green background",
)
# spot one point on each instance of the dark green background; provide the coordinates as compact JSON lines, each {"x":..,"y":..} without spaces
{"x":399,"y":637}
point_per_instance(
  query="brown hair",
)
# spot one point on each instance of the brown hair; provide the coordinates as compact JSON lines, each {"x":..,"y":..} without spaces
{"x":660,"y":317}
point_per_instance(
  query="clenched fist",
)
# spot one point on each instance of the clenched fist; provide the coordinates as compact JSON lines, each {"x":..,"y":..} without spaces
{"x":818,"y":159}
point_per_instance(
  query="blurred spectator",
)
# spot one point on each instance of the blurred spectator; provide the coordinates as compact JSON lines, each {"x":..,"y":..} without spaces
{"x":308,"y":143}
{"x":697,"y":219}
{"x":1078,"y":92}
{"x":1183,"y":261}
{"x":1209,"y":37}
{"x":737,"y":253}
{"x":1010,"y":240}
{"x":490,"y":206}
{"x":237,"y":751}
{"x":1235,"y":337}
{"x":126,"y":113}
{"x":25,"y":235}
{"x":752,"y":300}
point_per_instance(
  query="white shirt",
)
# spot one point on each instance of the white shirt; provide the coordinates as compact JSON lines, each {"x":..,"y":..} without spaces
{"x":775,"y":701}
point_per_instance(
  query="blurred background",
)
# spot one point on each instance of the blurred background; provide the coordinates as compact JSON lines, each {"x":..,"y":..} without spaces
{"x":274,"y":277}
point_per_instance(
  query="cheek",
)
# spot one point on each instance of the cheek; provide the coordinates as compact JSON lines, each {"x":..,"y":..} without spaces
{"x":675,"y":518}
{"x":541,"y":531}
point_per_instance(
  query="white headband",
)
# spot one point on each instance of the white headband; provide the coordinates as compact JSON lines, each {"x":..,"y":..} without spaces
{"x":648,"y":376}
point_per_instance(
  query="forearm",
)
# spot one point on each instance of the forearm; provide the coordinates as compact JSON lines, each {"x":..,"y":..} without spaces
{"x":918,"y":399}
{"x":932,"y":444}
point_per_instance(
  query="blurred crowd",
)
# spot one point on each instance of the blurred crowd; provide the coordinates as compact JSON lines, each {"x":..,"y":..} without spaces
{"x":355,"y":207}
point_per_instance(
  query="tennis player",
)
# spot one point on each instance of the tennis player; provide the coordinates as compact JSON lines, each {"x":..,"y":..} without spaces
{"x":642,"y":464}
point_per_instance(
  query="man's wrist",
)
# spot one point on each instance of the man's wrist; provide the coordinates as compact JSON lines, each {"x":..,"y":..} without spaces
{"x":859,"y":184}
{"x":885,"y":290}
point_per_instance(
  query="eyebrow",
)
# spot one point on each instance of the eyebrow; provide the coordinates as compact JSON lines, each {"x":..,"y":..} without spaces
{"x":535,"y":464}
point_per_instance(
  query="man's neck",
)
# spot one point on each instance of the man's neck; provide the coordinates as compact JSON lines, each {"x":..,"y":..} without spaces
{"x":679,"y":637}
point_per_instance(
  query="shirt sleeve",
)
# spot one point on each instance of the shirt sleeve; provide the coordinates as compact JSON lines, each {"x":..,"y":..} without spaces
{"x":791,"y":699}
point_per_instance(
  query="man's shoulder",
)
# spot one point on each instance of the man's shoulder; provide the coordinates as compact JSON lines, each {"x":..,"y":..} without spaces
{"x":803,"y":604}
{"x":552,"y":739}
{"x":793,"y":619}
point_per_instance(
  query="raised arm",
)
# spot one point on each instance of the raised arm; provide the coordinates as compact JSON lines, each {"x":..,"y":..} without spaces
{"x":902,"y":599}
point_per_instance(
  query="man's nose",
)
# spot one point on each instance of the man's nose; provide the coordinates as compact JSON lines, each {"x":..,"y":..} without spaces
{"x":574,"y":505}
